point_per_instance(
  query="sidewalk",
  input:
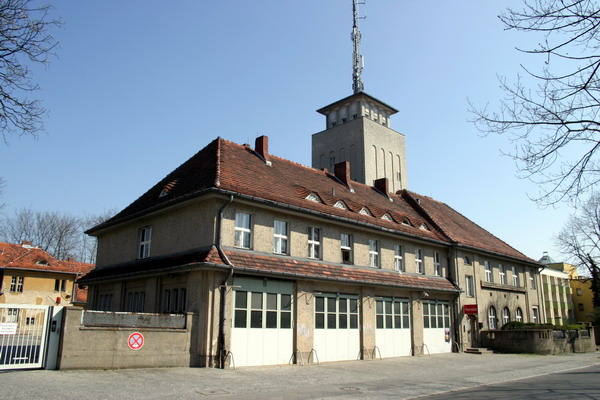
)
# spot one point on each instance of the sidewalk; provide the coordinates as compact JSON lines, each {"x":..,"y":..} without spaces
{"x":398,"y":378}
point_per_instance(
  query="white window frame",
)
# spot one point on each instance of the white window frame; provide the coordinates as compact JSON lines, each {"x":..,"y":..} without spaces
{"x":280,"y":237}
{"x":469,"y":286}
{"x":437,"y":264}
{"x":398,"y":258}
{"x":505,"y":316}
{"x":373,"y":253}
{"x":489,"y":277}
{"x":144,"y":241}
{"x":346,"y":247}
{"x":243,"y":230}
{"x":17,"y":283}
{"x":515,"y":277}
{"x":519,"y":315}
{"x":492,"y":319}
{"x":420,"y":269}
{"x":314,"y":243}
{"x":502,"y":269}
{"x":532,"y":280}
{"x":534,"y":311}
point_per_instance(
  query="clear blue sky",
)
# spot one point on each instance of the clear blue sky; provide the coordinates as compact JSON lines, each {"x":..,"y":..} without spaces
{"x":140,"y":86}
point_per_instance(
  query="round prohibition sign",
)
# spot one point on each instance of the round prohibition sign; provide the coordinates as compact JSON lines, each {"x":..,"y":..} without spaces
{"x":135,"y":341}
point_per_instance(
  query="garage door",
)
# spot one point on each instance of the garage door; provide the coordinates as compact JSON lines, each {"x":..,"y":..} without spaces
{"x":337,"y":336}
{"x":437,"y":334}
{"x":392,"y":336}
{"x":262,"y":322}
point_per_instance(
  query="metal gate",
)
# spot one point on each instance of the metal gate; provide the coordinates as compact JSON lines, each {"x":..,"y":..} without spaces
{"x":23,"y":334}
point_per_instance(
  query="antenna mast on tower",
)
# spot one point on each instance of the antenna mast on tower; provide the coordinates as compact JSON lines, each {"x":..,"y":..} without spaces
{"x":357,"y":58}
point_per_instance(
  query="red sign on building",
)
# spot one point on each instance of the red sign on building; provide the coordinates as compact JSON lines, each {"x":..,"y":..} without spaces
{"x":470,"y":308}
{"x":135,"y":341}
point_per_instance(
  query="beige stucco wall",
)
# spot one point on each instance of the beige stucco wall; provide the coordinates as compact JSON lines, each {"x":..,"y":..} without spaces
{"x":174,"y":230}
{"x":38,"y":289}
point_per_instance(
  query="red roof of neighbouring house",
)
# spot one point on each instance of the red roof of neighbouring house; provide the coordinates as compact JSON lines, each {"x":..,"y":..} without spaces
{"x":31,"y":258}
{"x":236,"y":169}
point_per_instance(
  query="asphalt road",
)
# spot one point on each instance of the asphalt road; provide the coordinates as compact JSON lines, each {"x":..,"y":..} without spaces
{"x":393,"y":378}
{"x":576,"y":384}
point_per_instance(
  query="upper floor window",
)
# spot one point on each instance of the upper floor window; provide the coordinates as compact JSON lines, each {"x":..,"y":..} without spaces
{"x":60,"y":285}
{"x":437,"y":263}
{"x":488,"y":272}
{"x":280,"y":237}
{"x":243,"y":230}
{"x":144,"y":242}
{"x":467,"y":260}
{"x":346,"y":247}
{"x":419,"y":261}
{"x":469,"y":287}
{"x":532,"y":280}
{"x":502,"y":270}
{"x":398,"y":258}
{"x":515,"y":276}
{"x":373,"y":253}
{"x":314,"y":243}
{"x":16,"y":284}
{"x":579,"y":292}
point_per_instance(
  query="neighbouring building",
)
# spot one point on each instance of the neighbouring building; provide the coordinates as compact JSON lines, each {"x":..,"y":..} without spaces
{"x":31,"y":276}
{"x":284,"y":262}
{"x":556,"y":289}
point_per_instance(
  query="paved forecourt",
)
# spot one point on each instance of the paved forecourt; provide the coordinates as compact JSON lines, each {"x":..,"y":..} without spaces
{"x":403,"y":377}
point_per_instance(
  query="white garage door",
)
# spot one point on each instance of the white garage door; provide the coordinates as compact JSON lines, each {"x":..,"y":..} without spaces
{"x":337,"y":336}
{"x":437,"y":333}
{"x":392,"y":336}
{"x":262,"y":331}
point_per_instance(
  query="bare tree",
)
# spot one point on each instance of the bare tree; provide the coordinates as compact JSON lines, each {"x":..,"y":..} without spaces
{"x":57,"y":233}
{"x":88,"y":245}
{"x":2,"y":186}
{"x":24,"y":39}
{"x":551,"y":112}
{"x":580,"y":241}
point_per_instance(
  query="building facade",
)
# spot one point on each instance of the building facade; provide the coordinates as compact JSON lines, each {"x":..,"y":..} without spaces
{"x":279,"y":262}
{"x":29,"y":275}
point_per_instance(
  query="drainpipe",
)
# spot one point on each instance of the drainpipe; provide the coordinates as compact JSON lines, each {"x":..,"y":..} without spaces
{"x":223,"y":288}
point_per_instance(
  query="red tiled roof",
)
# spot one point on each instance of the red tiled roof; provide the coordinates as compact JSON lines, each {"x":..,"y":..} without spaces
{"x":16,"y":256}
{"x":223,"y":165}
{"x":255,"y":263}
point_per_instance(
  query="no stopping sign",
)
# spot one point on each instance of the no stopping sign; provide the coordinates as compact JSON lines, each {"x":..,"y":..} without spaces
{"x":135,"y":341}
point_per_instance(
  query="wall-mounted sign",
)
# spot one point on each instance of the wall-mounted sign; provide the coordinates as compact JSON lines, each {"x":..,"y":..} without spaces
{"x":135,"y":341}
{"x":8,"y":328}
{"x":470,"y":308}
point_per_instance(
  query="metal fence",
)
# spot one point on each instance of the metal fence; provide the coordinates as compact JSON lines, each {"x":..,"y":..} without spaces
{"x":23,"y":333}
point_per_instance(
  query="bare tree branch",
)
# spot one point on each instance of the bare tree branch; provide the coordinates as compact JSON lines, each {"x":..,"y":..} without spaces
{"x":553,"y":125}
{"x":24,"y":40}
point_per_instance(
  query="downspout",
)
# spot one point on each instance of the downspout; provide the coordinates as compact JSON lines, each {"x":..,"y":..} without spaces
{"x":223,"y":288}
{"x":543,"y":318}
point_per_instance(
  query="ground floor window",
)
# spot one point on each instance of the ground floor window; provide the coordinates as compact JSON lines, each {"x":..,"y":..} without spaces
{"x":262,"y":310}
{"x":334,"y":311}
{"x":392,"y":313}
{"x":519,"y":315}
{"x":135,"y":301}
{"x":12,"y":315}
{"x":104,"y":302}
{"x":436,"y":314}
{"x":505,"y":316}
{"x":174,"y":300}
{"x":492,"y":318}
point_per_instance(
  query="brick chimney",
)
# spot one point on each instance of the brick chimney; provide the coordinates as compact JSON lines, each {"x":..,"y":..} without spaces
{"x":342,"y":172}
{"x":262,"y":147}
{"x":382,"y":185}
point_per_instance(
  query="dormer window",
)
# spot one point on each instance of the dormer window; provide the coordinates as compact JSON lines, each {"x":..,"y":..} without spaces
{"x":42,"y":262}
{"x":424,"y":227}
{"x":167,"y":189}
{"x":406,"y":222}
{"x":314,"y":197}
{"x":365,"y":211}
{"x":341,"y":205}
{"x":386,"y":217}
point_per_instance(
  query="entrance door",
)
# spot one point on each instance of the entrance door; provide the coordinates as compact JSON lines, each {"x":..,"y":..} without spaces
{"x":262,"y":331}
{"x":474,"y":342}
{"x":23,"y":331}
{"x":337,"y":336}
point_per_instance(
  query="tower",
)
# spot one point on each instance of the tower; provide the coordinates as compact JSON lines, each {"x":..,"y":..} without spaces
{"x":358,"y":130}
